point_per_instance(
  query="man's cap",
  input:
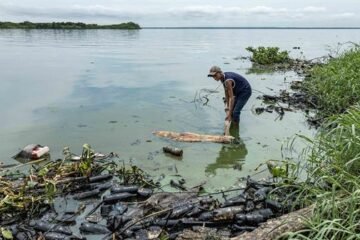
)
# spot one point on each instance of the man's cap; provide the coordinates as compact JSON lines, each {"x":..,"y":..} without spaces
{"x":214,"y":70}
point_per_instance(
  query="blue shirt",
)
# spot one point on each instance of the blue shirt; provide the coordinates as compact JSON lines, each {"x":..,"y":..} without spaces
{"x":240,"y":82}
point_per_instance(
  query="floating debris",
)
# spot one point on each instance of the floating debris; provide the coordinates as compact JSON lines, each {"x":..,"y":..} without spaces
{"x":32,"y":152}
{"x":173,"y":150}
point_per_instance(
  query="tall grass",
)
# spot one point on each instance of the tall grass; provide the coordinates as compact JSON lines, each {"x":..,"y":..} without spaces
{"x":336,"y":85}
{"x":333,"y":181}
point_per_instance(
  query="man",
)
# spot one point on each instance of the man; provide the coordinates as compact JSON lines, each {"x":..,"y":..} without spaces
{"x":237,"y":92}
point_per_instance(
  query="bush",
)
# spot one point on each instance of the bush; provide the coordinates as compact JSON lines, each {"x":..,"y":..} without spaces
{"x":268,"y":55}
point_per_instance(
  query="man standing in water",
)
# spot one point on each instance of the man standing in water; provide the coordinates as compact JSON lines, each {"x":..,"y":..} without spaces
{"x":237,"y":93}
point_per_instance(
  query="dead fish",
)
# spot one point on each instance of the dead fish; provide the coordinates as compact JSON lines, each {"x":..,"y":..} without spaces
{"x":117,"y":197}
{"x":145,"y":192}
{"x":261,"y":194}
{"x":174,"y":235}
{"x":251,"y":183}
{"x":194,"y":212}
{"x":206,"y":216}
{"x":192,"y":222}
{"x":83,"y":195}
{"x":194,"y":137}
{"x":165,"y":200}
{"x":100,"y":178}
{"x":227,"y":213}
{"x":254,"y":219}
{"x":67,"y":218}
{"x":273,"y":205}
{"x":94,"y":218}
{"x":56,"y":236}
{"x":249,"y":206}
{"x":24,"y":236}
{"x":93,"y":228}
{"x":45,"y":227}
{"x":166,"y":222}
{"x":173,"y":150}
{"x":101,"y":186}
{"x":181,"y":210}
{"x":208,"y":200}
{"x":141,"y":234}
{"x":114,"y":222}
{"x":124,"y":189}
{"x":105,"y":209}
{"x":121,"y":208}
{"x":128,"y":233}
{"x":238,"y":200}
{"x":266,"y":212}
{"x":134,"y":212}
{"x":154,"y":232}
{"x":251,"y":219}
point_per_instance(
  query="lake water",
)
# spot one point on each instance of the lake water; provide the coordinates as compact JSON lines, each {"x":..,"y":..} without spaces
{"x":112,"y":89}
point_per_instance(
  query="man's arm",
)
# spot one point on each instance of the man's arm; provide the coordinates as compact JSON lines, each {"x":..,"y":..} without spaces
{"x":229,"y":99}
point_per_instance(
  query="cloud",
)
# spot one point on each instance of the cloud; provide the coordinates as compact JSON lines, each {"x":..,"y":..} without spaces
{"x":312,"y":9}
{"x":177,"y":15}
{"x":206,"y":10}
{"x":345,"y":15}
{"x":73,"y":11}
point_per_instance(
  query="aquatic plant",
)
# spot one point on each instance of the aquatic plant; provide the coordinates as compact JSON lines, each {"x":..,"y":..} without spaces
{"x":268,"y":55}
{"x":335,"y":86}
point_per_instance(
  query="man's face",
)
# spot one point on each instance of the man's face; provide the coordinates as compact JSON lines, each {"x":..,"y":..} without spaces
{"x":217,"y":76}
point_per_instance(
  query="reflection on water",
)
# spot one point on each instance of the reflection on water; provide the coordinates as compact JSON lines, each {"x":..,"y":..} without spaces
{"x":230,"y":156}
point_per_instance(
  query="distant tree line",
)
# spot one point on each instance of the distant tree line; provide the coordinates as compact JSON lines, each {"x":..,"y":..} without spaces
{"x":66,"y":25}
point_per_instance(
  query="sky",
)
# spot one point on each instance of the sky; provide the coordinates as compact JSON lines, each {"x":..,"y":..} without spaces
{"x":186,"y":13}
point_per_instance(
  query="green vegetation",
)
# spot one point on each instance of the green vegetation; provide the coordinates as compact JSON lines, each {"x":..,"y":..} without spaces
{"x":335,"y":86}
{"x":268,"y":55}
{"x":332,"y":162}
{"x":66,"y":25}
{"x":333,"y":181}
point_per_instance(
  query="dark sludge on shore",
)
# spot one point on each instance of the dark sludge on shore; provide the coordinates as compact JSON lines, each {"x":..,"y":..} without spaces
{"x":295,"y":98}
{"x":115,"y":201}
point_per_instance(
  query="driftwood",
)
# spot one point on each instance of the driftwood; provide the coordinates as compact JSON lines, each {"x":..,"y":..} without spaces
{"x":274,"y":228}
{"x":194,"y":137}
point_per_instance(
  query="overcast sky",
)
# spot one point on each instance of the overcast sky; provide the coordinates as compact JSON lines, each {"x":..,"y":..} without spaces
{"x":175,"y":13}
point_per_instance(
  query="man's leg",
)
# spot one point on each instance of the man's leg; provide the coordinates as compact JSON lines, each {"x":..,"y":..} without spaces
{"x":241,"y":100}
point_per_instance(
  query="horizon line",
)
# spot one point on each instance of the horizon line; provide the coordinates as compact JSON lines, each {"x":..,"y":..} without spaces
{"x":250,"y":27}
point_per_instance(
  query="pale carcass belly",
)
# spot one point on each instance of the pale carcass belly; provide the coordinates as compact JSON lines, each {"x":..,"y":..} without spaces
{"x":194,"y":137}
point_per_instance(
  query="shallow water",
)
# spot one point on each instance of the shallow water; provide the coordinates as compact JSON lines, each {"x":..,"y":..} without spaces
{"x":113,"y":88}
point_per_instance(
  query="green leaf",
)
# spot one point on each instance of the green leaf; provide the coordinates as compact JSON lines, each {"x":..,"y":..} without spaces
{"x":7,"y":234}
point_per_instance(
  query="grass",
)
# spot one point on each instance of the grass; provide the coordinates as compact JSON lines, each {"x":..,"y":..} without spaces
{"x":333,"y":182}
{"x":336,"y":85}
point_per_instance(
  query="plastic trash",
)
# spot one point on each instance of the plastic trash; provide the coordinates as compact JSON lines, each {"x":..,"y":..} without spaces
{"x":33,"y":152}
